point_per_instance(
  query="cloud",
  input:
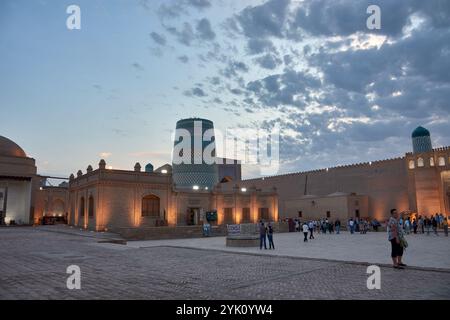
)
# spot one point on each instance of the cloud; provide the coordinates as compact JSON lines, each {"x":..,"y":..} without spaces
{"x":137,"y":66}
{"x":105,"y":155}
{"x":183,"y":58}
{"x":256,"y":46}
{"x":197,"y":92}
{"x":344,"y":90}
{"x":158,"y":38}
{"x":234,"y":67}
{"x":204,"y":30}
{"x":264,"y":20}
{"x":288,"y":88}
{"x":200,"y":4}
{"x":185,"y":35}
{"x":345,"y":17}
{"x":269,"y":61}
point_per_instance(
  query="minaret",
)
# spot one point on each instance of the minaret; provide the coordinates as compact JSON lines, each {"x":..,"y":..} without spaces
{"x":421,"y":140}
{"x":196,"y":173}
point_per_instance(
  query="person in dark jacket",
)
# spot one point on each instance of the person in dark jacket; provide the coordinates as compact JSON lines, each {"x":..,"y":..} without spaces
{"x":270,"y":237}
{"x":262,"y":236}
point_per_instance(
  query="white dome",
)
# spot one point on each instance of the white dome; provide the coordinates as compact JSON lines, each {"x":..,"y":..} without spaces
{"x":9,"y":148}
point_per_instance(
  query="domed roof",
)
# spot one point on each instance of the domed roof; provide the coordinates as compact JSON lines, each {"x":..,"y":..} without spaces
{"x":9,"y":148}
{"x":149,"y":168}
{"x":420,"y":132}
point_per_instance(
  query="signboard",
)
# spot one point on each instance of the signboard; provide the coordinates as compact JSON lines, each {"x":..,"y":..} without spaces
{"x":234,"y":229}
{"x":211,"y":216}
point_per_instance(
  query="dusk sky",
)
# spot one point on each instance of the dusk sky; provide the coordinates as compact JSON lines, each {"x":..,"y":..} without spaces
{"x":340,"y":92}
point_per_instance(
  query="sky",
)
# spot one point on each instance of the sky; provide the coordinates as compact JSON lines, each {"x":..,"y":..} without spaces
{"x":114,"y":89}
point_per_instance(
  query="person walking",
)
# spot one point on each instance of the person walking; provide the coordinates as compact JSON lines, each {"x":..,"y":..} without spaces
{"x":337,"y":225}
{"x":361,"y":226}
{"x":305,"y":231}
{"x":351,"y":225}
{"x":311,"y":230}
{"x":421,"y":224}
{"x":445,"y":225}
{"x":414,"y":226}
{"x":427,"y":223}
{"x":434,"y":224}
{"x":375,"y":225}
{"x":395,"y":235}
{"x":407,"y":226}
{"x":270,"y":237}
{"x":262,"y":236}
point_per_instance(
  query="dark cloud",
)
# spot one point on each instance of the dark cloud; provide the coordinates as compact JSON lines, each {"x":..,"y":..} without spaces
{"x":197,"y":92}
{"x":345,"y":17}
{"x":234,"y":67}
{"x":338,"y":93}
{"x":183,"y":58}
{"x":171,"y":11}
{"x":283,"y":89}
{"x":185,"y":35}
{"x":204,"y":30}
{"x":268,"y":61}
{"x":264,"y":20}
{"x":158,"y":38}
{"x":256,"y":46}
{"x":215,"y":81}
{"x":236,"y":91}
{"x":200,"y":4}
{"x":137,"y":66}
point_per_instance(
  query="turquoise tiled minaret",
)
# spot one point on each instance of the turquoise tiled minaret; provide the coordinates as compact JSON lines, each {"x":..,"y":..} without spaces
{"x":421,"y":140}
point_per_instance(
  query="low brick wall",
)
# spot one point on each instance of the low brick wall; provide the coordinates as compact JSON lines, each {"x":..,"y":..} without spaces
{"x":243,"y":241}
{"x":182,"y":232}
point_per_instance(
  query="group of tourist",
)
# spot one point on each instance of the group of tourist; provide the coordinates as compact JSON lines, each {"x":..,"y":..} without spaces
{"x":424,"y":224}
{"x":327,"y":226}
{"x":319,"y":226}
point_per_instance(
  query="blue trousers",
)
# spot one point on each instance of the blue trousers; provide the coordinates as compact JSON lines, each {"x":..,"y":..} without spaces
{"x":271,"y":245}
{"x":262,"y":238}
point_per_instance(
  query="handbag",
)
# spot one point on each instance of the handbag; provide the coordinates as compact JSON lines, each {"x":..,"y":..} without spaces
{"x":403,"y":243}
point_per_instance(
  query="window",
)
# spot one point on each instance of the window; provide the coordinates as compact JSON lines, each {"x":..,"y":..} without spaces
{"x":264,"y":214}
{"x":328,"y":214}
{"x":431,"y":162}
{"x":228,"y":215}
{"x":300,"y":214}
{"x":150,"y":206}
{"x":441,"y":161}
{"x":91,"y":207}
{"x":246,"y":215}
{"x":420,"y":162}
{"x":81,"y":207}
{"x":357,"y":213}
{"x":411,"y":164}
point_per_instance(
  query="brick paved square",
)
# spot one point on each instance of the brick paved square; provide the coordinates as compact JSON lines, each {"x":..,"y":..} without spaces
{"x":34,"y":262}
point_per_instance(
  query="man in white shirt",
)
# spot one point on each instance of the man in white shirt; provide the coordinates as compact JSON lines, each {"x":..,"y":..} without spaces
{"x":305,"y":231}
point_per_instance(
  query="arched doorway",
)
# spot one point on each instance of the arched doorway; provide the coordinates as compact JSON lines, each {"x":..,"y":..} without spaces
{"x":81,"y":209}
{"x":150,"y":206}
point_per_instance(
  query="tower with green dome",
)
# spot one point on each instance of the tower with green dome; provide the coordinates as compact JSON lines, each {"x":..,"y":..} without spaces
{"x":421,"y":140}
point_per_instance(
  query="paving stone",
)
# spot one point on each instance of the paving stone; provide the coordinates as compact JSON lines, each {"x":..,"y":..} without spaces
{"x":34,"y":262}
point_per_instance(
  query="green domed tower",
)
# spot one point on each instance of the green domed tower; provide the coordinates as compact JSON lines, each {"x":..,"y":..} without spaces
{"x":421,"y":140}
